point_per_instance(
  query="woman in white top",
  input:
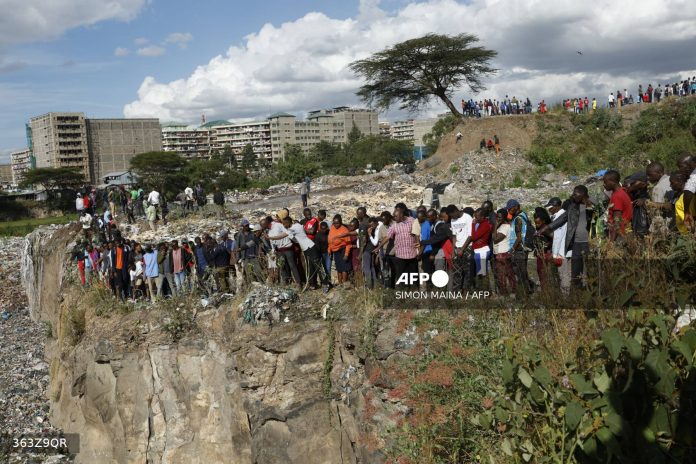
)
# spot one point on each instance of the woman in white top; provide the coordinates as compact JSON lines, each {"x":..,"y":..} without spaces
{"x":504,"y":275}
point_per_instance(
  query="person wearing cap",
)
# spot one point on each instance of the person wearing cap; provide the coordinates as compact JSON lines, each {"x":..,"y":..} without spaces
{"x":248,"y":245}
{"x":282,"y":245}
{"x":518,"y":235}
{"x":559,"y":255}
{"x":579,"y":217}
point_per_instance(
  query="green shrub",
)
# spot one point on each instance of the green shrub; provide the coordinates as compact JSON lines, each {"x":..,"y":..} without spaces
{"x":599,"y":139}
{"x":628,"y":397}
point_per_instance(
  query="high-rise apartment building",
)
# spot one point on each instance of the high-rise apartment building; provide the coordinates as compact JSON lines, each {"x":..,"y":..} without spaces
{"x":269,"y":138}
{"x":112,"y":143}
{"x":187,"y":141}
{"x":402,"y":130}
{"x":239,"y":135}
{"x":385,"y":129}
{"x":412,"y":129}
{"x":21,"y":162}
{"x":329,"y":125}
{"x":60,"y":140}
{"x":93,"y":146}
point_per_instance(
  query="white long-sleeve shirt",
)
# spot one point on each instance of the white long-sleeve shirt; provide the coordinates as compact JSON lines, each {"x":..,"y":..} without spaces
{"x":559,"y":238}
{"x":153,"y":198}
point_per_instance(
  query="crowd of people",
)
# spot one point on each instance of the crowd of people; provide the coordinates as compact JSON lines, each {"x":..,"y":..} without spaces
{"x":478,"y":247}
{"x":621,"y":98}
{"x":493,"y":107}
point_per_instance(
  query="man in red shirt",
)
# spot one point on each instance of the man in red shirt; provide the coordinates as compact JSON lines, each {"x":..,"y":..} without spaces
{"x":620,"y":206}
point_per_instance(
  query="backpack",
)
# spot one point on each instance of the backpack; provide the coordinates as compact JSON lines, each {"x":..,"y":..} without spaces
{"x":528,"y":240}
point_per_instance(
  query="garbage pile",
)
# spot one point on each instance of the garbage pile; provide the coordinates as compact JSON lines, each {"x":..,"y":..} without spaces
{"x":267,"y":303}
{"x":24,"y":375}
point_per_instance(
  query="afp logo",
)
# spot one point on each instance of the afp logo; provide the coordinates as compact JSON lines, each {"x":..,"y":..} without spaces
{"x":439,"y":278}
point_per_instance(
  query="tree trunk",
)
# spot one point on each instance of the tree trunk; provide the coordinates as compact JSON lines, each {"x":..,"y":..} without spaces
{"x":450,"y":105}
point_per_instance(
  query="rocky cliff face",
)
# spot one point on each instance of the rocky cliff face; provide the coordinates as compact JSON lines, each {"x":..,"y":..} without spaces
{"x":227,"y":392}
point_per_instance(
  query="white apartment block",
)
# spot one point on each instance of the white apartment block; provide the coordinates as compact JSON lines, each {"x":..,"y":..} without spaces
{"x":187,"y":141}
{"x":412,"y":130}
{"x":239,"y":135}
{"x":402,"y":130}
{"x":269,"y":138}
{"x":20,"y":162}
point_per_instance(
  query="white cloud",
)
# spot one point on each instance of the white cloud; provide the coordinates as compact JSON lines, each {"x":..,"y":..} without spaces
{"x":302,"y":64}
{"x":140,"y":41}
{"x":121,"y":51}
{"x":180,"y":38}
{"x":151,"y":50}
{"x":24,"y":21}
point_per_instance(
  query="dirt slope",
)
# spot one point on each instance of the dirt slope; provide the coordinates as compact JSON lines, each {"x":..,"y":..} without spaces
{"x":515,"y":133}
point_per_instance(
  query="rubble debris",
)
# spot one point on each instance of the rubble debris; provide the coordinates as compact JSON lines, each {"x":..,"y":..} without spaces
{"x":24,"y":375}
{"x":266,"y":303}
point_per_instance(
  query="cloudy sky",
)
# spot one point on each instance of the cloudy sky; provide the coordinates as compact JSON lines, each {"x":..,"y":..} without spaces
{"x":177,"y":60}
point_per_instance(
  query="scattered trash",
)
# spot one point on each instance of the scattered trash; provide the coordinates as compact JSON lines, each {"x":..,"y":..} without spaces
{"x":269,"y":303}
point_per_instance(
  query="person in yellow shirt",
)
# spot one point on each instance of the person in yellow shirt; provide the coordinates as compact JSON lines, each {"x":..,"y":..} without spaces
{"x":594,"y":104}
{"x":677,"y":182}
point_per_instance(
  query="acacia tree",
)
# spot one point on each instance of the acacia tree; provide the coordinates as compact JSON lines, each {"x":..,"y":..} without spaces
{"x":54,"y":179}
{"x":160,"y":170}
{"x":414,"y":71}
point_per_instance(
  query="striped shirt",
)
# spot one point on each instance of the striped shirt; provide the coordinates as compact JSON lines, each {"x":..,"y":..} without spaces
{"x":404,"y":241}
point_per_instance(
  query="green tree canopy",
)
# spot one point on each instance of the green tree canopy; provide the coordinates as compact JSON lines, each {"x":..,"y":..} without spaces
{"x":414,"y":71}
{"x":354,"y":135}
{"x":160,"y":170}
{"x":295,"y":165}
{"x":248,"y":157}
{"x":54,"y":179}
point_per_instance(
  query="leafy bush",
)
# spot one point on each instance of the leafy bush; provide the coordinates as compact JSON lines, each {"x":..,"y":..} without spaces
{"x":629,"y":396}
{"x":178,"y":318}
{"x":599,"y":139}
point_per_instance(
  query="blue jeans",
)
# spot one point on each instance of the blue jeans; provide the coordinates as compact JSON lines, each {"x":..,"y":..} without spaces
{"x":326,"y":260}
{"x":368,"y":269}
{"x":179,"y":280}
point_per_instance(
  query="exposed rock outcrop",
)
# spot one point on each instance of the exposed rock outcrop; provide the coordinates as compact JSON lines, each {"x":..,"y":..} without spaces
{"x":227,"y":392}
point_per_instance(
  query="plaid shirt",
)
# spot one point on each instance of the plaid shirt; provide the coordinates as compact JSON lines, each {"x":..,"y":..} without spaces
{"x":404,"y":241}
